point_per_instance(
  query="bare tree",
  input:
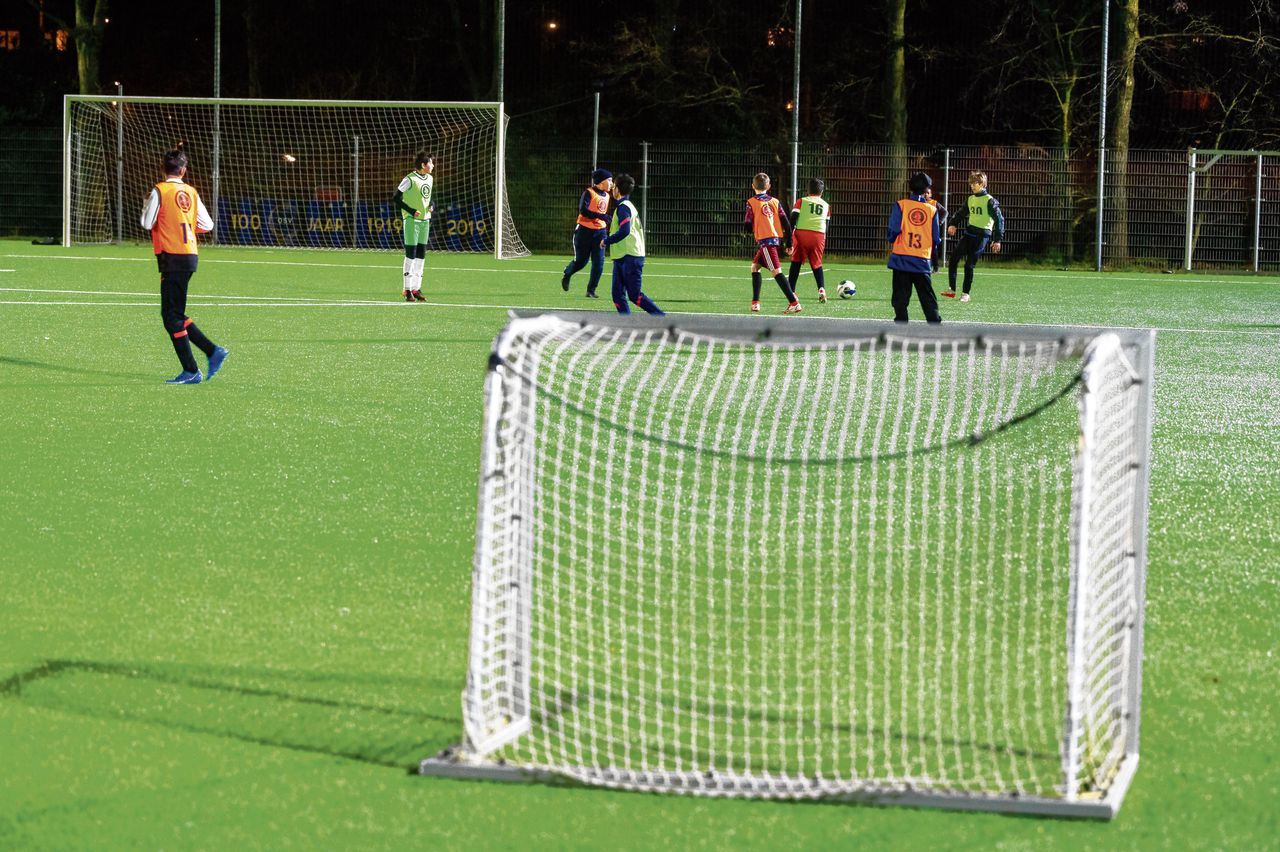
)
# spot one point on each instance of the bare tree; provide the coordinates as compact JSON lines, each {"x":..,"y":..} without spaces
{"x":696,"y":75}
{"x":88,"y":32}
{"x":1038,"y":72}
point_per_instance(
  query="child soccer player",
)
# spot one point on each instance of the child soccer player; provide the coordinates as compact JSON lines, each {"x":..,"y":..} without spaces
{"x":588,"y":233}
{"x":983,"y":224}
{"x":174,"y":215}
{"x":767,"y":224}
{"x":809,"y":219}
{"x":913,"y":233}
{"x":413,"y":200}
{"x":935,"y":258}
{"x":628,"y":266}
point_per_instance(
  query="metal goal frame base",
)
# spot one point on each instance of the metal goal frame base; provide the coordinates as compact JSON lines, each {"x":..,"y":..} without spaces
{"x":455,"y":762}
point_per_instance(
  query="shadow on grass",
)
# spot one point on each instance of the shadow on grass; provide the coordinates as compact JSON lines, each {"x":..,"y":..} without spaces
{"x":356,"y":717}
{"x":5,"y":360}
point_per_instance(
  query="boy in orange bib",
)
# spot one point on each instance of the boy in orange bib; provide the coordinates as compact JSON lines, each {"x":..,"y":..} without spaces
{"x":174,"y":215}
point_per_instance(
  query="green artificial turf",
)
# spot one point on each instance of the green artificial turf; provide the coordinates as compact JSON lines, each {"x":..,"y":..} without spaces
{"x":236,"y":614}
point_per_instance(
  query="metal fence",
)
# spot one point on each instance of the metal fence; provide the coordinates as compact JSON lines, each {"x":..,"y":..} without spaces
{"x":692,"y":196}
{"x":30,"y":181}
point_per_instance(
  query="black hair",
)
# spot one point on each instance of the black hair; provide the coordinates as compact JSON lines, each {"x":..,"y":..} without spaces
{"x":816,"y":186}
{"x":920,"y":182}
{"x":421,"y":158}
{"x":174,"y":161}
{"x":625,"y":183}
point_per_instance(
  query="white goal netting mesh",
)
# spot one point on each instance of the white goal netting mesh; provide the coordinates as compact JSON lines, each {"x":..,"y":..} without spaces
{"x":290,"y":174}
{"x":716,"y":563}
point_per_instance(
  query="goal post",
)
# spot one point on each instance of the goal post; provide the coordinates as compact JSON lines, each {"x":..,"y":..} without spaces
{"x":818,"y":560}
{"x":1226,"y":224}
{"x":290,"y":173}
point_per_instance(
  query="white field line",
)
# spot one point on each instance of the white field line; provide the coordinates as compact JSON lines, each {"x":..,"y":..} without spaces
{"x":398,"y":305}
{"x":209,"y":296}
{"x":1176,"y":278}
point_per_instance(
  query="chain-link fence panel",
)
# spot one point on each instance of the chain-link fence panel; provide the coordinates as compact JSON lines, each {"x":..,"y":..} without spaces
{"x":31,"y":181}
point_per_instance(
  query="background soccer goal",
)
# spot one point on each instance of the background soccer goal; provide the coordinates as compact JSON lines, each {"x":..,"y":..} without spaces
{"x":830,"y":559}
{"x":289,"y":173}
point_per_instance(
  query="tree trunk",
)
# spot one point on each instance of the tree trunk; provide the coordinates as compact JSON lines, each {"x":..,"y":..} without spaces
{"x":1062,"y":177}
{"x":895,"y":124}
{"x":462,"y":50}
{"x":256,"y":48}
{"x":90,"y":27}
{"x":1119,"y":155}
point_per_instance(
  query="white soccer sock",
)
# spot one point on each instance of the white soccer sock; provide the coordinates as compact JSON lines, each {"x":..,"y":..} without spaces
{"x":416,"y":275}
{"x":408,"y":273}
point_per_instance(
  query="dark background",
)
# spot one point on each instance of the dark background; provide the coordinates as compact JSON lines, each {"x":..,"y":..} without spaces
{"x":693,"y":70}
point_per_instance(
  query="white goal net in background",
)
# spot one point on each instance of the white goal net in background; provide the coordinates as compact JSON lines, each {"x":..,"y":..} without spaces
{"x":827,"y":559}
{"x":281,"y":173}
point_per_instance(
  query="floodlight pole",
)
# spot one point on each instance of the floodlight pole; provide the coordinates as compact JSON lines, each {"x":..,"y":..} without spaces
{"x":795,"y":110}
{"x":500,"y":58}
{"x":217,"y":110}
{"x":595,"y":136}
{"x":1102,"y":134}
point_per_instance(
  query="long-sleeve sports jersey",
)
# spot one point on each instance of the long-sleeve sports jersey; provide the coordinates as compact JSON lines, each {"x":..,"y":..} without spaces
{"x":593,"y":209}
{"x":980,"y":216}
{"x":913,"y":232}
{"x":184,"y":217}
{"x":765,"y":220}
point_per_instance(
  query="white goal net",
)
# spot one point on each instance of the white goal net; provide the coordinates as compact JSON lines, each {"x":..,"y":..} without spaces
{"x":289,"y":174}
{"x":812,"y":560}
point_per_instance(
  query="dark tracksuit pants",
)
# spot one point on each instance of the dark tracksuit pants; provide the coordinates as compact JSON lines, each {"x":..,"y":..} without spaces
{"x":970,"y":246}
{"x":175,"y":276}
{"x":586,"y":247}
{"x":922,"y":282}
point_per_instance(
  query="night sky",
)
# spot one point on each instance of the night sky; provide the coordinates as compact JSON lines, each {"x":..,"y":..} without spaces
{"x":402,"y":50}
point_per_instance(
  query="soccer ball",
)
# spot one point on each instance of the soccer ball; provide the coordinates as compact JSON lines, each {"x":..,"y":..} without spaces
{"x":847,"y":289}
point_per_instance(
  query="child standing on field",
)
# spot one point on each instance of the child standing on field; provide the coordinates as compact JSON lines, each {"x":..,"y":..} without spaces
{"x":770,"y":228}
{"x":941,"y":215}
{"x":982,"y":222}
{"x":589,"y":231}
{"x":913,"y":234}
{"x":809,"y":218}
{"x":628,"y":266}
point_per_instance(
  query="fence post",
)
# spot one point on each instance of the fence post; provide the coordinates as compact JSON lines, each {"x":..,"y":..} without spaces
{"x":1257,"y":214}
{"x":644,"y":183}
{"x":946,"y":197}
{"x":355,"y":191}
{"x":120,"y":163}
{"x":1191,"y":207}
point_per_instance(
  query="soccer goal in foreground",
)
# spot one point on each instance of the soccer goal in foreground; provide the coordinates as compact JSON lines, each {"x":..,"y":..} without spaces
{"x":812,"y":559}
{"x":289,"y":173}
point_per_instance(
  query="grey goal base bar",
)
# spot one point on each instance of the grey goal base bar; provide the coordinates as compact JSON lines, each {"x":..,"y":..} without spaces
{"x":454,"y":763}
{"x":817,"y":330}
